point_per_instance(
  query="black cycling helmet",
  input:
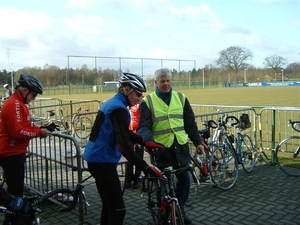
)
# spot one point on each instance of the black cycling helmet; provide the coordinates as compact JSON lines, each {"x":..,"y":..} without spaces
{"x":134,"y":81}
{"x":30,"y":82}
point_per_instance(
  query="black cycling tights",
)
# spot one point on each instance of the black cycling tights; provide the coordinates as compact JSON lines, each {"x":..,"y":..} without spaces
{"x":14,"y":175}
{"x":109,"y":188}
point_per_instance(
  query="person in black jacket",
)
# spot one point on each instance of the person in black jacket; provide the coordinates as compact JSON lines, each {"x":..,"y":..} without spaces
{"x":166,"y":117}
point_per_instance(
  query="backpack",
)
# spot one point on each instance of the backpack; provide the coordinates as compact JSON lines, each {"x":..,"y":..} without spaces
{"x":245,"y":121}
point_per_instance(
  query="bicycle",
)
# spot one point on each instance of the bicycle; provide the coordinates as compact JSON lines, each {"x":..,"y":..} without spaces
{"x":200,"y":162}
{"x":245,"y":151}
{"x":82,"y":124}
{"x":63,"y":125}
{"x":162,"y":202}
{"x":287,"y":152}
{"x":223,"y":163}
{"x":68,"y":200}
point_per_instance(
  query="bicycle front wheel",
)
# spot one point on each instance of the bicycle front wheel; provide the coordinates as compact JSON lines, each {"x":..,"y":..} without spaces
{"x":248,"y":154}
{"x":223,"y":168}
{"x":287,"y":155}
{"x":176,"y":214}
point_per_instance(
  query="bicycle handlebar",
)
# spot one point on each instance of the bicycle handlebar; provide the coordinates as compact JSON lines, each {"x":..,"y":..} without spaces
{"x":295,"y":125}
{"x":221,"y":123}
{"x":211,"y":124}
{"x":235,"y":120}
{"x":167,"y":173}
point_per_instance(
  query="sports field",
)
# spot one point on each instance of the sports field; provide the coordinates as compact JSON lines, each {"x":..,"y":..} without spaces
{"x":247,"y":96}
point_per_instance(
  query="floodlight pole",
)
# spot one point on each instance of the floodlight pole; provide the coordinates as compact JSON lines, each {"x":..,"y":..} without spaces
{"x":12,"y":77}
{"x":203,"y":77}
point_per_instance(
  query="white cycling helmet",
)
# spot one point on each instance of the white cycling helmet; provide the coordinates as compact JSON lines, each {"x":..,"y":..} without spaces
{"x":134,"y":81}
{"x":5,"y":85}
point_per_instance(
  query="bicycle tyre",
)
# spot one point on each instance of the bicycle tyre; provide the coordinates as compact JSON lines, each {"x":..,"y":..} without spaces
{"x":248,"y":154}
{"x":286,"y":159}
{"x":59,"y":200}
{"x":176,"y":214}
{"x":223,"y":167}
{"x":193,"y":188}
{"x":2,"y":176}
{"x":83,"y":127}
{"x":154,"y":202}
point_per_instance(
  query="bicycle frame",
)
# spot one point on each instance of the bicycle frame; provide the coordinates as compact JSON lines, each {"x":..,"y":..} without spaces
{"x":163,"y":206}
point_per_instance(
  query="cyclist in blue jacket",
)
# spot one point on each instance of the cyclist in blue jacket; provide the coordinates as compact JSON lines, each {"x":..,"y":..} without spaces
{"x":110,"y":138}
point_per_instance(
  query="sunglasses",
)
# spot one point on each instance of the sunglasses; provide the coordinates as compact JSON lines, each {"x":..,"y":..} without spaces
{"x":139,"y":94}
{"x":34,"y":94}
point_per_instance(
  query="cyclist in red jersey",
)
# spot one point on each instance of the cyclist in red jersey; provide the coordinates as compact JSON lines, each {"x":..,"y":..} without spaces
{"x":133,"y":173}
{"x":16,"y":130}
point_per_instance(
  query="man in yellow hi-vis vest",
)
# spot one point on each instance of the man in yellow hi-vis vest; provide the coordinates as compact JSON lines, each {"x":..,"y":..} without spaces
{"x":166,"y":117}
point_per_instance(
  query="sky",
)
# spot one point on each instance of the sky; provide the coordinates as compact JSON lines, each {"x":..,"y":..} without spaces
{"x":37,"y":33}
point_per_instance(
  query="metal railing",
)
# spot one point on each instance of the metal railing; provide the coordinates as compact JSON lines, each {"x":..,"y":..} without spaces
{"x":56,"y":162}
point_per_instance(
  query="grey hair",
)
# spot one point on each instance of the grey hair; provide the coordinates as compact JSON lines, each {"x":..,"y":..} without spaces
{"x":164,"y":72}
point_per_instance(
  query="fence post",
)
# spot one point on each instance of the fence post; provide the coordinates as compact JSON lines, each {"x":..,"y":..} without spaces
{"x":273,"y":160}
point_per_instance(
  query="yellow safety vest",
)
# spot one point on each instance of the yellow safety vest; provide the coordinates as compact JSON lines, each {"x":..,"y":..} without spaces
{"x":167,"y":121}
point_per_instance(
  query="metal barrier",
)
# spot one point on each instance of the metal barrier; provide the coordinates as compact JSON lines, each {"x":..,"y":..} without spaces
{"x":269,"y":125}
{"x":53,"y":162}
{"x":65,"y":112}
{"x":56,"y":162}
{"x":274,"y":126}
{"x":214,"y":112}
{"x":39,"y":110}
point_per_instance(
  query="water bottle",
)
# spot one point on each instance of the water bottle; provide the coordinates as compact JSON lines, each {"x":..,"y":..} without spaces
{"x":199,"y":160}
{"x":203,"y":168}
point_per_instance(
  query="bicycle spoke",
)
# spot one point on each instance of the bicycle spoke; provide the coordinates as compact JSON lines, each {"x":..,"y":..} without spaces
{"x":288,"y":157}
{"x":83,"y":127}
{"x":223,"y":168}
{"x":248,"y":154}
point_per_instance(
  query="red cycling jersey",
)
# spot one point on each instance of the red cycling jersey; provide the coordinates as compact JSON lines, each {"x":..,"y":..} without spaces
{"x":16,"y":128}
{"x":135,"y":116}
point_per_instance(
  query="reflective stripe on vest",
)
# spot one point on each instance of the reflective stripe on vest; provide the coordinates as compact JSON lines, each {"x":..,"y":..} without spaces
{"x":167,"y":121}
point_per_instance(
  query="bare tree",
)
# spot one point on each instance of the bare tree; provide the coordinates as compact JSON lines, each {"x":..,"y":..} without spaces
{"x":234,"y":58}
{"x":275,"y":62}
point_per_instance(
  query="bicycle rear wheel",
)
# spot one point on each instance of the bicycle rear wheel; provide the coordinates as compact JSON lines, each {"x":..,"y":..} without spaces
{"x":83,"y":127}
{"x":193,"y":188}
{"x":287,"y":155}
{"x":60,"y":200}
{"x":248,"y":153}
{"x":223,"y":168}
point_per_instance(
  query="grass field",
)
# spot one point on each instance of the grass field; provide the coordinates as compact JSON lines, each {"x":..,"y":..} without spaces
{"x":247,"y":96}
{"x":255,"y":97}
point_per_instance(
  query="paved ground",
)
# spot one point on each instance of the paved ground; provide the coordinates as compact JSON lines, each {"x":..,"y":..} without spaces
{"x":265,"y":196}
